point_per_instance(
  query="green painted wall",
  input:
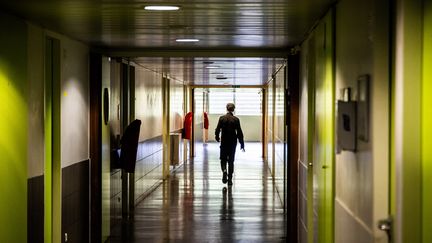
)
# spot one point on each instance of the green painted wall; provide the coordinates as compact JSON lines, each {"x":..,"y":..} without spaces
{"x":427,"y":121}
{"x":52,"y":187}
{"x":324,"y":130}
{"x":310,"y":136}
{"x":407,"y":122}
{"x":48,"y":147}
{"x":13,"y":128}
{"x":329,"y":121}
{"x":319,"y":73}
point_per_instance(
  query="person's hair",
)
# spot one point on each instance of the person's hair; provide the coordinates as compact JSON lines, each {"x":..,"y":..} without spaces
{"x":230,"y":107}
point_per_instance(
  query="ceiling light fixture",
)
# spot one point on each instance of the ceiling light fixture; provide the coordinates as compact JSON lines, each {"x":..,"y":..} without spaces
{"x":162,"y":8}
{"x":212,"y":66}
{"x":187,"y":40}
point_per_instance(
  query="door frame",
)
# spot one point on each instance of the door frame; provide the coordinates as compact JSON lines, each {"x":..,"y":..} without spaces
{"x":95,"y":147}
{"x":292,"y":106}
{"x":52,"y":138}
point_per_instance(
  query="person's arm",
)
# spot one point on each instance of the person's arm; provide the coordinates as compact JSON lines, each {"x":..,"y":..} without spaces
{"x":217,"y":130}
{"x":240,"y":135}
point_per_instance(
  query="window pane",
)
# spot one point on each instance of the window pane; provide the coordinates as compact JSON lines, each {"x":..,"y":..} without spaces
{"x":218,"y":98}
{"x":247,"y":101}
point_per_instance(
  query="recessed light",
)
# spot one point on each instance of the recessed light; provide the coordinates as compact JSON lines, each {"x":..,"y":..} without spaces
{"x":187,"y":40}
{"x":161,"y":8}
{"x":251,"y":13}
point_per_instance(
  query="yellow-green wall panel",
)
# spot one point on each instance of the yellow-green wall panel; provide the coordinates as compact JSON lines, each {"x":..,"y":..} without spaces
{"x":427,"y":122}
{"x":310,"y":136}
{"x":52,"y":178}
{"x":323,"y":161}
{"x":407,"y":122}
{"x":48,"y":147}
{"x":13,"y":128}
{"x":329,"y":129}
{"x":56,"y":150}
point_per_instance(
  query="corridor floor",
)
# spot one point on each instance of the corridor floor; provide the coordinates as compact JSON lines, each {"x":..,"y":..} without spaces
{"x":195,"y":206}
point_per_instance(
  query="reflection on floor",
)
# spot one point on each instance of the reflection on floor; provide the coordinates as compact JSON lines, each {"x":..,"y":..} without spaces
{"x":195,"y":206}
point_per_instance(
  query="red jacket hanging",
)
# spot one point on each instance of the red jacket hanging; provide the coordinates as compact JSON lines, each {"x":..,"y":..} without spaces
{"x":187,"y":126}
{"x":206,"y":121}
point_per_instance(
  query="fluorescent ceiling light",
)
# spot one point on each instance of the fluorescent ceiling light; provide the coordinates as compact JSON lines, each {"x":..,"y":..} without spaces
{"x":187,"y":40}
{"x":249,"y":13}
{"x":161,"y":8}
{"x":212,"y":66}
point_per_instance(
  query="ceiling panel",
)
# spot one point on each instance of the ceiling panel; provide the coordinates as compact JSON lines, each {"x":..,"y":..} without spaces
{"x":253,"y":28}
{"x":221,"y":24}
{"x":214,"y":71}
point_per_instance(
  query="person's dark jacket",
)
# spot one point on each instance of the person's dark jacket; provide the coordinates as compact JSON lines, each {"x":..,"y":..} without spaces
{"x":231,"y":131}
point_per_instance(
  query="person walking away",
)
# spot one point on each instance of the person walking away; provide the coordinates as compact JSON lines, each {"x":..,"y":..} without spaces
{"x":231,"y":130}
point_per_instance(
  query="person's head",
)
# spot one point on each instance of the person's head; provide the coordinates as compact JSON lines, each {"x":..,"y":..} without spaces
{"x":230,"y":107}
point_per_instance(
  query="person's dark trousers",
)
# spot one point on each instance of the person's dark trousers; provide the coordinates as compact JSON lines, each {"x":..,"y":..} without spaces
{"x":227,"y":155}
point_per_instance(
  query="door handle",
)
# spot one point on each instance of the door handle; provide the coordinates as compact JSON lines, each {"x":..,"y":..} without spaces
{"x":386,"y":225}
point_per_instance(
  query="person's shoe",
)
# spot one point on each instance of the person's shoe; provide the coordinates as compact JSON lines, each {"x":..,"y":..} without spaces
{"x":230,"y":182}
{"x":224,"y":178}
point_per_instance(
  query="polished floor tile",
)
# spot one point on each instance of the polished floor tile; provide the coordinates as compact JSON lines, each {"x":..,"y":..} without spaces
{"x":195,"y":206}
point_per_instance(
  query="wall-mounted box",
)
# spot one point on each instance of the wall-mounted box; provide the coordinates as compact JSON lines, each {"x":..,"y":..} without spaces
{"x":347,"y":125}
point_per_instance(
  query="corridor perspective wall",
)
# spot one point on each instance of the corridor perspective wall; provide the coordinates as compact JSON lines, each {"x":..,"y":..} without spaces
{"x":270,"y":125}
{"x":115,"y":123}
{"x":14,"y":129}
{"x":176,"y":105}
{"x":280,"y":158}
{"x":361,"y":177}
{"x":176,"y":92}
{"x":275,"y":134}
{"x":362,"y":183}
{"x":148,"y":109}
